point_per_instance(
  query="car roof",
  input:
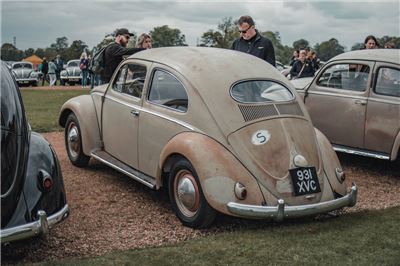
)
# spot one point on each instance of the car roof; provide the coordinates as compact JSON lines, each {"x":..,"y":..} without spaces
{"x":384,"y":55}
{"x":206,"y":68}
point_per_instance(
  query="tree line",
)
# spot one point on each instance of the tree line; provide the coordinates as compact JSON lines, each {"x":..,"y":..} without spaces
{"x":164,"y":36}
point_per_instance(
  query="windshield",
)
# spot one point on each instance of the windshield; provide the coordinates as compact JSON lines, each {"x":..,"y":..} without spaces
{"x":22,"y":65}
{"x":73,"y":63}
{"x":260,"y":91}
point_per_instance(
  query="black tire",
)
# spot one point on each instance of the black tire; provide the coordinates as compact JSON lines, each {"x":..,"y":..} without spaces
{"x":190,"y":206}
{"x":73,"y":142}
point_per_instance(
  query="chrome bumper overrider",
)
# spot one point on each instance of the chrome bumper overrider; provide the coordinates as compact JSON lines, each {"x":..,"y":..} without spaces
{"x":281,"y":211}
{"x":39,"y":227}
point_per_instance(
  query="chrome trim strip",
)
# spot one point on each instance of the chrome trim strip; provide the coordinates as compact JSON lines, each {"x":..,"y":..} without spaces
{"x":141,"y":109}
{"x":356,"y":97}
{"x":150,"y":185}
{"x":282,"y":211}
{"x":39,"y":227}
{"x":395,"y":101}
{"x":362,"y":153}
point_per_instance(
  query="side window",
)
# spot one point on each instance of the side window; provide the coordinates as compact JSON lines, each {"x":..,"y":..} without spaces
{"x":130,"y":80}
{"x":134,"y":82}
{"x":168,"y":91}
{"x":120,"y":79}
{"x":352,"y":77}
{"x":388,"y":82}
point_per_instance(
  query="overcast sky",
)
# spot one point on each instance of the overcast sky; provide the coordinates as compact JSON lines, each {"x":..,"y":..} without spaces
{"x":37,"y":24}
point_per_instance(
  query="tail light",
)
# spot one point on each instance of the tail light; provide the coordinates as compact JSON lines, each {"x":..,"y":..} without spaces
{"x":45,"y":180}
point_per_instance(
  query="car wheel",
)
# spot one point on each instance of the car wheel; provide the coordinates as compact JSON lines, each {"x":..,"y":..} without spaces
{"x":73,"y":142}
{"x":187,"y":198}
{"x":71,"y":83}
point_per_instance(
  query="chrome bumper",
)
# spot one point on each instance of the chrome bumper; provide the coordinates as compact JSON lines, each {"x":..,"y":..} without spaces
{"x":39,"y":227}
{"x":281,"y":211}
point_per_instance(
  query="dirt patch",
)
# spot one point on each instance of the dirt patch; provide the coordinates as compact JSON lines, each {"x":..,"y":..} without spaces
{"x":109,"y":211}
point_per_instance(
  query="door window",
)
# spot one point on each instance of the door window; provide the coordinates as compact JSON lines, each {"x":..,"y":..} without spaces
{"x":130,"y":80}
{"x":388,"y":82}
{"x":168,"y":91}
{"x":352,"y":77}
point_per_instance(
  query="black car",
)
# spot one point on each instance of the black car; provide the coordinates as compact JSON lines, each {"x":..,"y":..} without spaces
{"x":32,"y":188}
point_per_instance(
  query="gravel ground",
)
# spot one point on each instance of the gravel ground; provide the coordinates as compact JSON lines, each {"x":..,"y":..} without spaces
{"x":109,"y":211}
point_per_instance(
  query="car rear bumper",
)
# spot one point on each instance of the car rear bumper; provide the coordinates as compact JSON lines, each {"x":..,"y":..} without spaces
{"x":39,"y":227}
{"x":282,"y":211}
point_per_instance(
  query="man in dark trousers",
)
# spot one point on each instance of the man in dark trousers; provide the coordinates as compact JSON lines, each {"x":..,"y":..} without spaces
{"x":45,"y":70}
{"x":60,"y":65}
{"x":252,"y":42}
{"x":114,"y":53}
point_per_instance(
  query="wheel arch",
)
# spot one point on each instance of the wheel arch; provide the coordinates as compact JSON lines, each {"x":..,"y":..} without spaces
{"x":84,"y":110}
{"x":217,"y":168}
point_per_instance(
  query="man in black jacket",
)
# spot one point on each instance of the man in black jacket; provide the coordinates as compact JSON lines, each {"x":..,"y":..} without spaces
{"x":114,"y":53}
{"x":252,"y":42}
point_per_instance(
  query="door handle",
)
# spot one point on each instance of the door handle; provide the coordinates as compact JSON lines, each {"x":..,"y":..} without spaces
{"x":135,"y":112}
{"x":362,"y":102}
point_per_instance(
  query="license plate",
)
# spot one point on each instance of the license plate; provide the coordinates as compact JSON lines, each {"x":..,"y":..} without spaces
{"x":305,"y":181}
{"x":73,"y":79}
{"x":24,"y":81}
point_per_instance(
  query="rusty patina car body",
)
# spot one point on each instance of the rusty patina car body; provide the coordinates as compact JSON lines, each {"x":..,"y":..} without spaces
{"x":221,"y":130}
{"x":355,"y":101}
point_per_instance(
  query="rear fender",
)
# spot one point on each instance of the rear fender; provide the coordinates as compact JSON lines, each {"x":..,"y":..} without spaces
{"x":218,"y":169}
{"x":84,"y":109}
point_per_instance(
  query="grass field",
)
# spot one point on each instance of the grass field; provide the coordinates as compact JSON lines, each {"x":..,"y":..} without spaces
{"x":354,"y":239}
{"x":43,"y":106}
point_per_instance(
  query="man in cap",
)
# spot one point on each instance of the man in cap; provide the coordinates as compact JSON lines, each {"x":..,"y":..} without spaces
{"x":114,"y":53}
{"x":252,"y":42}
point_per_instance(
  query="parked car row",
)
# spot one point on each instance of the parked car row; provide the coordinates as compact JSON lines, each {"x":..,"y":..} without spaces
{"x":235,"y":139}
{"x":26,"y":75}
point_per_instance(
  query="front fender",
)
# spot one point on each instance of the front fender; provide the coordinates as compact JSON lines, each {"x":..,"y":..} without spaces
{"x":330,"y":163}
{"x":217,"y":168}
{"x":396,"y":148}
{"x":83,"y":108}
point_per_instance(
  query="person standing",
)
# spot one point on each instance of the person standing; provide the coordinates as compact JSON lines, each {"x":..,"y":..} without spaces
{"x":84,"y":67}
{"x":371,"y":42}
{"x":60,"y":65}
{"x":114,"y":53}
{"x":302,"y":67}
{"x":252,"y":42}
{"x":52,"y":73}
{"x":45,"y":70}
{"x":144,"y":41}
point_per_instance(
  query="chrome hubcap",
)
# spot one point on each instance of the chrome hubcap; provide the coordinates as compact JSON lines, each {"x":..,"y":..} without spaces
{"x":73,"y":140}
{"x":186,"y":193}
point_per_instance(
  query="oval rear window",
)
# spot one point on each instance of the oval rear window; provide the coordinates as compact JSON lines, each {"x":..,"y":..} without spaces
{"x":260,"y":91}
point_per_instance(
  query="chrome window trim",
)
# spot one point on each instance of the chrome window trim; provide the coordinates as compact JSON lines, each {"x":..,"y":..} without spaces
{"x":141,"y":109}
{"x":266,"y":102}
{"x":149,"y":90}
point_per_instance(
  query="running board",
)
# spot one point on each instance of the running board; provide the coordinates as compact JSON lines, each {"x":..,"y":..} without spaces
{"x":376,"y":155}
{"x":111,"y":161}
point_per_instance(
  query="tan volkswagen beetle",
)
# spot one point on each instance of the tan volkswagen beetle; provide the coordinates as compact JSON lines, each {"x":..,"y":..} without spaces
{"x":355,"y":101}
{"x":222,"y":130}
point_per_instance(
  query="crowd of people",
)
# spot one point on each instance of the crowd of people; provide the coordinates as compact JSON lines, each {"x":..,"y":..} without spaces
{"x":304,"y":62}
{"x":114,"y":53}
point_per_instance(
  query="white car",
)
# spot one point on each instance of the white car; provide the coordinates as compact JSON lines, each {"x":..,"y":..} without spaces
{"x":72,"y":74}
